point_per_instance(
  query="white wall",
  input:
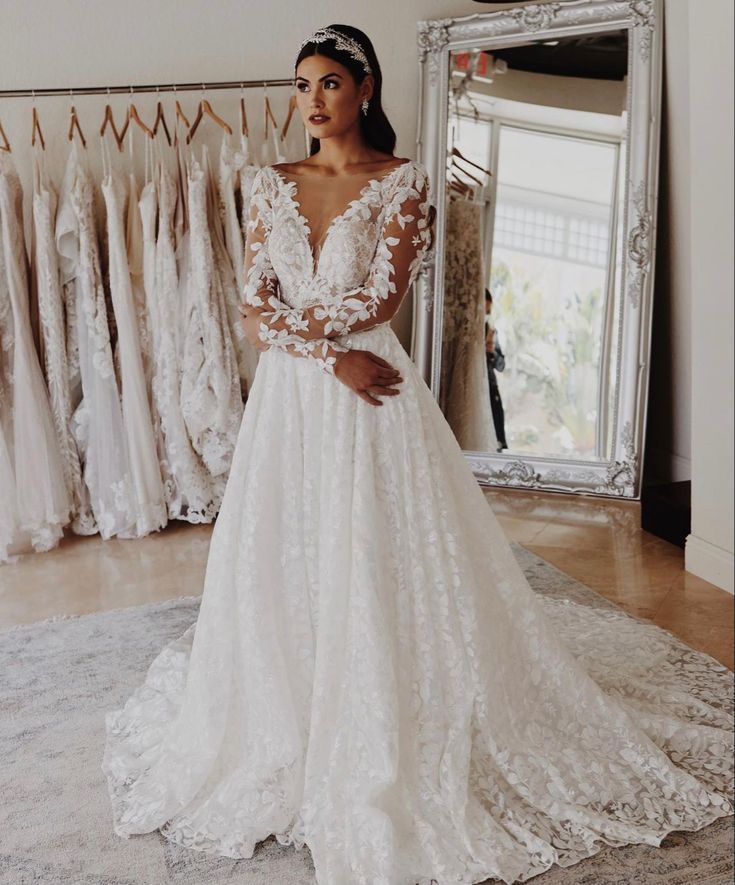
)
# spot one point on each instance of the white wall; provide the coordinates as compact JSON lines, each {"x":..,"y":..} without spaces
{"x":118,"y":42}
{"x":709,"y":550}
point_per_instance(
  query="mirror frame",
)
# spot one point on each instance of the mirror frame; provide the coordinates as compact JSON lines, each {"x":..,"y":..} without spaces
{"x":620,"y":476}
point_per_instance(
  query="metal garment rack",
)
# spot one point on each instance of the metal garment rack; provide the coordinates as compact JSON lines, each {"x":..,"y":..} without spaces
{"x":169,"y":87}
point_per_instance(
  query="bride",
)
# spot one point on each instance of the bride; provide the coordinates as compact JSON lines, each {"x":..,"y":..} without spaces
{"x":370,"y":673}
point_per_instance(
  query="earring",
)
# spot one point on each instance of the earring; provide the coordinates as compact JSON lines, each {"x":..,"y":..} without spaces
{"x":365,"y":105}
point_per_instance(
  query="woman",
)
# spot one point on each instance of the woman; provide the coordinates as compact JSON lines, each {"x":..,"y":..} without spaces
{"x":370,"y":673}
{"x":495,"y":360}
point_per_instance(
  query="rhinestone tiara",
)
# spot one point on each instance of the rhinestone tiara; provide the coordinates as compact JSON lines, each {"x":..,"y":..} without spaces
{"x":342,"y":42}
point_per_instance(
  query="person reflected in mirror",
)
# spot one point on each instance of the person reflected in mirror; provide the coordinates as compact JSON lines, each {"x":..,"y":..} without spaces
{"x":495,"y":363}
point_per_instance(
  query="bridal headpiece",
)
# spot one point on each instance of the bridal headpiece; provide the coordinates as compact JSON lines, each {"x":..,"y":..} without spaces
{"x":342,"y":42}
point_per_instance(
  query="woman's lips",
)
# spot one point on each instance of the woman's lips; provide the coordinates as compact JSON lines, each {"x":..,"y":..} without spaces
{"x":318,"y":119}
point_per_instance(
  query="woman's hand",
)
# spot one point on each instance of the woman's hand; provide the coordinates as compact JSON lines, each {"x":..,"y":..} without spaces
{"x":367,"y":374}
{"x":250,"y":323}
{"x":490,"y":340}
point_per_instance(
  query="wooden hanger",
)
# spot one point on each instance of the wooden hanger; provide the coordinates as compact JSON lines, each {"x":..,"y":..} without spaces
{"x":461,"y":187}
{"x":269,"y":113}
{"x":36,"y":131}
{"x":161,"y":121}
{"x":457,"y":153}
{"x":206,"y":108}
{"x":110,"y":121}
{"x":4,"y":143}
{"x":291,"y":109}
{"x":74,"y":124}
{"x":180,"y":115}
{"x":133,"y":115}
{"x":455,"y":165}
{"x":243,"y":117}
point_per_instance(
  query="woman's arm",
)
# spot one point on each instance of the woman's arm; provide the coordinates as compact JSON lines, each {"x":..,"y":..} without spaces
{"x":404,"y":239}
{"x":262,"y":284}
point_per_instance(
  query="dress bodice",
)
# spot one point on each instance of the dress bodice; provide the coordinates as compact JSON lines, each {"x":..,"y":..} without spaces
{"x":348,"y":246}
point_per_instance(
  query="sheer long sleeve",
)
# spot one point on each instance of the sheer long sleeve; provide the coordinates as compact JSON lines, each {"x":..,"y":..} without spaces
{"x":261,"y":285}
{"x":404,"y":239}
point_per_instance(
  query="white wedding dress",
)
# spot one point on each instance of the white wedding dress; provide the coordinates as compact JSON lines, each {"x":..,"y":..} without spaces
{"x":147,"y":492}
{"x":370,"y":672}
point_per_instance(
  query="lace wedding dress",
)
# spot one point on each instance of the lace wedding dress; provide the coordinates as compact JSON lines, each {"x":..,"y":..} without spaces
{"x":370,"y":672}
{"x":464,"y":396}
{"x":97,"y":421}
{"x":53,"y":341}
{"x":36,"y":502}
{"x":211,"y":398}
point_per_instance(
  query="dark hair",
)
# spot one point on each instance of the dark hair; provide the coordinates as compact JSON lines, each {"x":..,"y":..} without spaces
{"x":488,"y":295}
{"x":375,"y":127}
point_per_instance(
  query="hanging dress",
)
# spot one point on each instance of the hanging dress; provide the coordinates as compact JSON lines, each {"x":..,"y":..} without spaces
{"x":211,"y":400}
{"x":41,"y":506}
{"x":98,"y":420}
{"x":370,"y":673}
{"x":231,"y":162}
{"x":53,"y":342}
{"x":464,"y":396}
{"x":148,"y":495}
{"x":8,"y":523}
{"x":196,"y":495}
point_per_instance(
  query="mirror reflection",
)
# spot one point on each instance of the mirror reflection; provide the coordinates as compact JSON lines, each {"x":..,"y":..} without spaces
{"x":533,"y":245}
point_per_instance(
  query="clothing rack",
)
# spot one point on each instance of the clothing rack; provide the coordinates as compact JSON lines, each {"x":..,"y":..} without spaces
{"x":169,"y":87}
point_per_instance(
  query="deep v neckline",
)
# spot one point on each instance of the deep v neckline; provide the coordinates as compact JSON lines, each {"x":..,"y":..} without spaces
{"x":292,"y":190}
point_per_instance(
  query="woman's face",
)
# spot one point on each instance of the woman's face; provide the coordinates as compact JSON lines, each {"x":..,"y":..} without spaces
{"x":327,"y":96}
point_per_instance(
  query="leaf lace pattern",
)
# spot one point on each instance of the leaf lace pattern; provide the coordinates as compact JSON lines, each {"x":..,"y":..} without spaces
{"x":370,"y":673}
{"x":371,"y":255}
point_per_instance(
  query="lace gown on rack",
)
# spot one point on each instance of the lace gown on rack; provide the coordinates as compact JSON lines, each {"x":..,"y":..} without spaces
{"x":464,"y":395}
{"x":97,"y":421}
{"x":370,"y":672}
{"x":195,"y":495}
{"x":53,"y":341}
{"x":231,"y":162}
{"x":211,"y":399}
{"x":36,"y":501}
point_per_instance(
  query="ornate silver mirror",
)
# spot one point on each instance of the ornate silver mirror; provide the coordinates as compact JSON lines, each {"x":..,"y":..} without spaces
{"x":539,"y":127}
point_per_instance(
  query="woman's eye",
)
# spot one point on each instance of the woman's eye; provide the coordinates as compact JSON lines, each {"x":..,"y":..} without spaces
{"x":331,"y":83}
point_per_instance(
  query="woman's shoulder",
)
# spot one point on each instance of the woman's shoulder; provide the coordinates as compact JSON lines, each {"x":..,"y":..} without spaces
{"x":409,"y":178}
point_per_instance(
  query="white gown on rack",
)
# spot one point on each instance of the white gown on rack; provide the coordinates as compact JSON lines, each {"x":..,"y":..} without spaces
{"x":98,"y":420}
{"x":211,"y":398}
{"x":53,"y":341}
{"x":142,"y":217}
{"x":196,"y":496}
{"x":464,"y":394}
{"x":231,"y":162}
{"x":149,"y":506}
{"x":41,"y":504}
{"x":370,"y":672}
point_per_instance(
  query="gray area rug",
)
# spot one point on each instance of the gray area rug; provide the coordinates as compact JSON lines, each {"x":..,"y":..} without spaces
{"x":57,"y":679}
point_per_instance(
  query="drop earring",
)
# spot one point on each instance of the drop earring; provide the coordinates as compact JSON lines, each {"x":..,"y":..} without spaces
{"x":365,"y":105}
